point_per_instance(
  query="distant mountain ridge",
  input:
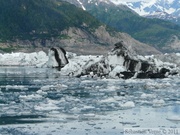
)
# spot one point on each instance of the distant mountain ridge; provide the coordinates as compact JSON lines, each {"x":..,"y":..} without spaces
{"x":162,"y":9}
{"x":145,"y":8}
{"x":155,"y":9}
{"x":29,"y":25}
{"x":164,"y":16}
{"x":43,"y":18}
{"x":160,"y":34}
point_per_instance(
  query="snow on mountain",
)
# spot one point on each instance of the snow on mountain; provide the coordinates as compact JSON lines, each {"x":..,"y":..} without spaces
{"x":162,"y":9}
{"x":81,"y":4}
{"x":143,"y":7}
{"x":162,"y":15}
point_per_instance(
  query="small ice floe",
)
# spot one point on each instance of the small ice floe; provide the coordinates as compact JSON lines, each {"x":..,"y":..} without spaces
{"x":88,"y":116}
{"x":75,"y":110}
{"x":128,"y":123}
{"x":41,"y":92}
{"x":15,"y":87}
{"x":47,"y":87}
{"x":91,"y":123}
{"x":175,"y":119}
{"x":61,"y":86}
{"x":122,"y":93}
{"x":119,"y":98}
{"x":147,"y":96}
{"x":54,"y":87}
{"x":177,"y":102}
{"x":158,"y":102}
{"x":153,"y":85}
{"x":49,"y":106}
{"x":88,"y":109}
{"x":30,"y":97}
{"x":128,"y":104}
{"x":112,"y":88}
{"x":108,"y":100}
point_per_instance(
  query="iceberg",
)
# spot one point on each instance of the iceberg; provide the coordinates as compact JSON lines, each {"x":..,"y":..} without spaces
{"x":37,"y":59}
{"x":120,"y":62}
{"x":57,"y":57}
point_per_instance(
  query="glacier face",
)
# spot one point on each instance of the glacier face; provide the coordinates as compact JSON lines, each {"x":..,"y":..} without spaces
{"x":118,"y":63}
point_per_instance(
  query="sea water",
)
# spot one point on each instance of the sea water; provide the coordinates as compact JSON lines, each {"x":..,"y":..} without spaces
{"x":40,"y":101}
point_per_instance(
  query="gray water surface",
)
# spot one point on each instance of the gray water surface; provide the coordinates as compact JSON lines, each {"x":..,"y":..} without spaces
{"x":39,"y":101}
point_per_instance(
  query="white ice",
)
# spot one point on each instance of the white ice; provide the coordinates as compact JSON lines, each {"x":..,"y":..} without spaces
{"x":79,"y":64}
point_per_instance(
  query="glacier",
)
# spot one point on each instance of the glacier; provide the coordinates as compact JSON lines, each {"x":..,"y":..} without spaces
{"x":118,"y":63}
{"x":37,"y":59}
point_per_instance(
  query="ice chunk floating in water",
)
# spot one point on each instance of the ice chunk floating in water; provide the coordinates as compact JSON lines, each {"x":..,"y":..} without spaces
{"x":47,"y":101}
{"x":43,"y":104}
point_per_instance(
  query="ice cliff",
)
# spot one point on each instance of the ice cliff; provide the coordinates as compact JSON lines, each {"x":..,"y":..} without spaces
{"x":37,"y":59}
{"x":120,"y":62}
